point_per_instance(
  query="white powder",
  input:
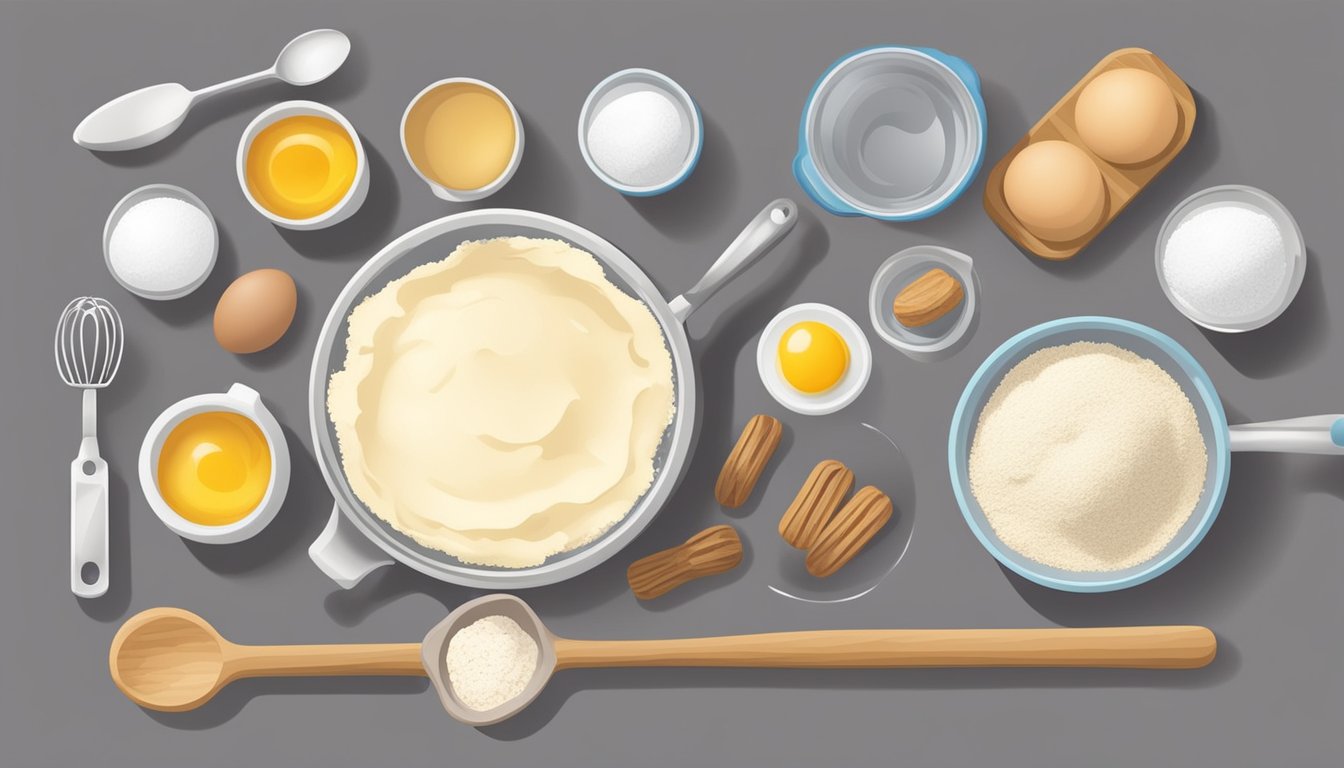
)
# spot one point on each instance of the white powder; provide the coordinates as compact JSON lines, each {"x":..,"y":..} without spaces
{"x":1088,"y":458}
{"x":1227,"y":262}
{"x":639,"y":139}
{"x":162,"y":245}
{"x":490,"y":661}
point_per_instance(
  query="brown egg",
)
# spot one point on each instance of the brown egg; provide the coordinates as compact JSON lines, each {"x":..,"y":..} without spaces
{"x":1055,"y":190}
{"x":1126,"y":116}
{"x":255,"y":311}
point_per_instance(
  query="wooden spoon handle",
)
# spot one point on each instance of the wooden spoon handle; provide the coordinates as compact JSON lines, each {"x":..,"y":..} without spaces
{"x":319,"y":660}
{"x":1176,"y":647}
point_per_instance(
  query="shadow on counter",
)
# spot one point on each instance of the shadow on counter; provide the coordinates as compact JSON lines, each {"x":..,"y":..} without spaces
{"x":542,"y":182}
{"x":1289,"y":341}
{"x":350,"y":607}
{"x":566,"y":684}
{"x":1241,"y":546}
{"x":295,"y":526}
{"x":231,"y":700}
{"x":366,"y":229}
{"x":698,"y":204}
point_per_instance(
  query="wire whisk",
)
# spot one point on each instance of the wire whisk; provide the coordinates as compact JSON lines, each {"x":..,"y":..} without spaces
{"x":89,"y":341}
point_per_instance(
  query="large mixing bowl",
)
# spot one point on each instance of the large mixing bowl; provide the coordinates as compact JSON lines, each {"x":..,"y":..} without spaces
{"x":1141,"y":340}
{"x":1309,"y":434}
{"x":356,"y":541}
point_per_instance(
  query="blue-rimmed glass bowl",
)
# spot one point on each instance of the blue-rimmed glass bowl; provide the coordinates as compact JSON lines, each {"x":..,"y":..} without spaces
{"x":1144,"y":341}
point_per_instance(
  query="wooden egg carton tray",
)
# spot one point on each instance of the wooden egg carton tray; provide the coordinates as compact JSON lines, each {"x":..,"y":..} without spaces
{"x":1123,"y":182}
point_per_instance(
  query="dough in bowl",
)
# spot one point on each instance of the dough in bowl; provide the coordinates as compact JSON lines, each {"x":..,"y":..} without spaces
{"x":503,"y":405}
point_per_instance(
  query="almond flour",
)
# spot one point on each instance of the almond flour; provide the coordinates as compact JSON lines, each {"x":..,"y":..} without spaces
{"x":1088,"y":458}
{"x":490,"y":662}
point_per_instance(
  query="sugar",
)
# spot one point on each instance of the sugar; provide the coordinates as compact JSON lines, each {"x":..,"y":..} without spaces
{"x":1088,"y":457}
{"x":639,"y":139}
{"x":490,"y":662}
{"x":162,"y":245}
{"x":1226,"y":262}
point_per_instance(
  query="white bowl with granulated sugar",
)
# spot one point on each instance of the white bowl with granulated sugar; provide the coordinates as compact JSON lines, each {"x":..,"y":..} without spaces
{"x":640,"y":132}
{"x":1231,"y":258}
{"x":160,"y":242}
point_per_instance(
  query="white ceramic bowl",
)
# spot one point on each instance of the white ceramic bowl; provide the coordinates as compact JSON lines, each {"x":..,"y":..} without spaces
{"x":239,"y":399}
{"x":1240,"y":196}
{"x":629,"y":81}
{"x":945,"y":335}
{"x":466,"y":195}
{"x":359,"y":188}
{"x":850,"y":385}
{"x":148,"y":192}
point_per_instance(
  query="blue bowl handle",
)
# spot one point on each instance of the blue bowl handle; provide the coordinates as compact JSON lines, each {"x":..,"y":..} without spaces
{"x":809,"y":178}
{"x":960,"y":67}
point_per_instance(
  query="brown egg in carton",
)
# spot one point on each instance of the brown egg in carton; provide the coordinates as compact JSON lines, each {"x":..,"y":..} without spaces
{"x":1050,"y":236}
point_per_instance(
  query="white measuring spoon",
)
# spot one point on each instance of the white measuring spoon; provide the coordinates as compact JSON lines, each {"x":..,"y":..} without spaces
{"x":143,"y":117}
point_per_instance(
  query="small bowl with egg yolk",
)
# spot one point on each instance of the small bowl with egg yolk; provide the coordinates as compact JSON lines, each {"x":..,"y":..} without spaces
{"x":215,"y":467}
{"x":302,"y":165}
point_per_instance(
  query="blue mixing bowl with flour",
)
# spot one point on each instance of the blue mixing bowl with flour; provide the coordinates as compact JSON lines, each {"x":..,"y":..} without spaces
{"x":892,"y":133}
{"x":1142,"y":340}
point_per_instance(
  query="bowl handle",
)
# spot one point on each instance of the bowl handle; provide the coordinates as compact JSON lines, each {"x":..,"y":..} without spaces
{"x":344,"y":554}
{"x":959,"y":66}
{"x":760,"y":235}
{"x":809,"y":178}
{"x":1309,"y":434}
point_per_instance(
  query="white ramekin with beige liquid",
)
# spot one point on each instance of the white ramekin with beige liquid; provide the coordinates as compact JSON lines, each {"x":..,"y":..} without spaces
{"x":463,"y":137}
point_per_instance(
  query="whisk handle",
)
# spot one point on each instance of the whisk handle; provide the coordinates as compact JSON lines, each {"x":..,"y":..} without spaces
{"x":88,"y":510}
{"x":89,"y":418}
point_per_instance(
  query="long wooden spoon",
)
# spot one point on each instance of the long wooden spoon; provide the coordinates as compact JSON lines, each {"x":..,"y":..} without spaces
{"x":171,"y":659}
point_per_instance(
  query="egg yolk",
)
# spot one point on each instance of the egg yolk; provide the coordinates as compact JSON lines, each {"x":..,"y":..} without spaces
{"x":812,"y":357}
{"x":214,"y":468}
{"x":302,"y":166}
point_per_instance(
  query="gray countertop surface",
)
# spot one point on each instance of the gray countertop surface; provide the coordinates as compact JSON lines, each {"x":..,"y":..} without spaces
{"x":1267,"y":579}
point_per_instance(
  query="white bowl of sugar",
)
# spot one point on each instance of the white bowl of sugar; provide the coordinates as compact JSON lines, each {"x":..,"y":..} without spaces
{"x":1231,"y":258}
{"x":640,"y":132}
{"x":160,"y":242}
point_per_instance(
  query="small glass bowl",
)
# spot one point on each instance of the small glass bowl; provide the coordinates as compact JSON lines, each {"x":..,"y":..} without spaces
{"x":1240,"y":196}
{"x":943,"y":336}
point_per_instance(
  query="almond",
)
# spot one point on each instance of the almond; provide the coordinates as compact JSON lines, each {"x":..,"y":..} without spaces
{"x":713,"y":550}
{"x":849,"y":531}
{"x":818,"y":499}
{"x":929,"y":297}
{"x":744,"y":466}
